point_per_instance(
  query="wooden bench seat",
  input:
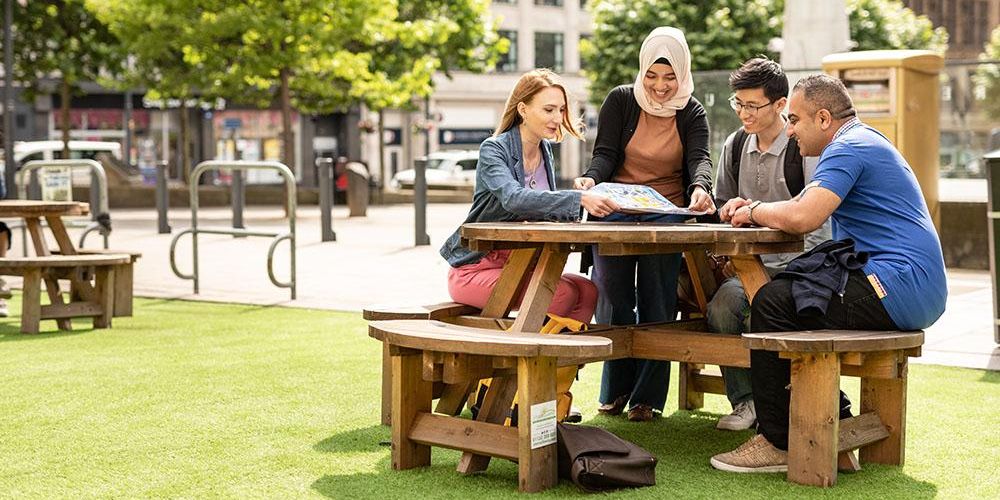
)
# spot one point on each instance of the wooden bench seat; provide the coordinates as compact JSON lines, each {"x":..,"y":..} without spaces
{"x":818,"y":359}
{"x":415,"y":428}
{"x":124,"y":278}
{"x":97,"y":299}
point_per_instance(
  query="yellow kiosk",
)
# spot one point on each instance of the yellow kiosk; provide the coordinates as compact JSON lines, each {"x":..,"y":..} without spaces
{"x":898,"y":92}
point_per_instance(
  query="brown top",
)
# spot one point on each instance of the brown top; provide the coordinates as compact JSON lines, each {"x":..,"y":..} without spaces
{"x":654,"y":157}
{"x":36,"y":208}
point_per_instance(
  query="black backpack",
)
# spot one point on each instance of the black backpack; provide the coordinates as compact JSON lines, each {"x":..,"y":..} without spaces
{"x":794,"y":179}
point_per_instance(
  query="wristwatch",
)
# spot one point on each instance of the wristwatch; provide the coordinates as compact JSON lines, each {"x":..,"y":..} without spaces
{"x":750,"y":212}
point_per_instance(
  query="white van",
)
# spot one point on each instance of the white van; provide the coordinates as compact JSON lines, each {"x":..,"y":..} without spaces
{"x":444,"y":169}
{"x":78,"y":150}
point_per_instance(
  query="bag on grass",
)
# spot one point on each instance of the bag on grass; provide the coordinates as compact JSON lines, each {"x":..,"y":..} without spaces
{"x":596,"y":459}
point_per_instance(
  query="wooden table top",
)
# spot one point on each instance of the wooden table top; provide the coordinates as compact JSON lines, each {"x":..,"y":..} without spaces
{"x":38,"y":208}
{"x":622,"y":232}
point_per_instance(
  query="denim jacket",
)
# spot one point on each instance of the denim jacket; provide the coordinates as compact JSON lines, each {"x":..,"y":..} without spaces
{"x":500,"y":195}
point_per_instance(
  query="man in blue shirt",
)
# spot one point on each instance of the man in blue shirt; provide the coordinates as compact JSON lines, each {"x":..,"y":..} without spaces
{"x":869,"y":191}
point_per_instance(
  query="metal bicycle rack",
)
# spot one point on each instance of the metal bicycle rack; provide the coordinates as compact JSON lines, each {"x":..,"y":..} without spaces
{"x":100,"y":218}
{"x":194,"y":230}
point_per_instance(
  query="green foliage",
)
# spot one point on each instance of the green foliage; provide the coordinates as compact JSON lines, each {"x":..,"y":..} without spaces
{"x":724,"y":33}
{"x":720,"y":34}
{"x":61,"y":39}
{"x":888,"y":24}
{"x":988,"y":75}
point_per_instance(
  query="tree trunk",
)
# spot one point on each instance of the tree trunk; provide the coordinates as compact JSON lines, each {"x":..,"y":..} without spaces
{"x":185,"y":150}
{"x":381,"y":151}
{"x":286,"y":129}
{"x":64,"y":116}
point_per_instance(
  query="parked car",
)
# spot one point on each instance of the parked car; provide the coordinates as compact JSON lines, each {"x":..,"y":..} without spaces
{"x":52,"y":150}
{"x":445,"y":169}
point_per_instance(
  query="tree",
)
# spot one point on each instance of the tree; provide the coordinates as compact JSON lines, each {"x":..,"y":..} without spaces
{"x":888,"y":24}
{"x":426,"y":37}
{"x":158,"y":35}
{"x":63,"y":40}
{"x":724,"y":33}
{"x":720,"y":34}
{"x":988,"y":74}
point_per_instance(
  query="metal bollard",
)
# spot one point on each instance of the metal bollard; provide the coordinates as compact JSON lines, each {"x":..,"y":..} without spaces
{"x":162,"y":199}
{"x":420,"y":204}
{"x":993,"y":213}
{"x":325,"y":166}
{"x":238,"y":199}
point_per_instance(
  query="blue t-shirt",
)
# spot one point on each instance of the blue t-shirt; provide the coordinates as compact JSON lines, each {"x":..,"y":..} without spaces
{"x":883,"y":210}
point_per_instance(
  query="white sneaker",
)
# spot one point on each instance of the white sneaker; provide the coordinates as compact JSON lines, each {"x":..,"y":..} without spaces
{"x":743,"y":417}
{"x":3,"y":309}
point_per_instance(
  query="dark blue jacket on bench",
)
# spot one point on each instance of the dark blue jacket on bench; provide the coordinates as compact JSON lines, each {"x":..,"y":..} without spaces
{"x":821,"y":272}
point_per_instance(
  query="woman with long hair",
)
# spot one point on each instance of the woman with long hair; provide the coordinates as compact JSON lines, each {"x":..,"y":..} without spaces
{"x":515,"y":181}
{"x":656,"y":134}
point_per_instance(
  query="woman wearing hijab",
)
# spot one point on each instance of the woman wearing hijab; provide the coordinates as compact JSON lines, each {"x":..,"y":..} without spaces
{"x":656,"y":134}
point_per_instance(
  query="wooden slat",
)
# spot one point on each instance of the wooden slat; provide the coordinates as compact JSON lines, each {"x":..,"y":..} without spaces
{"x":465,"y":435}
{"x":813,"y":419}
{"x":58,"y":230}
{"x":411,"y":395}
{"x":834,"y":341}
{"x":71,"y":310}
{"x":692,"y":347}
{"x":104,"y":291}
{"x":859,"y":431}
{"x":444,"y":337}
{"x":707,"y":383}
{"x":38,"y":208}
{"x":757,"y":248}
{"x":495,"y":408}
{"x":123,"y":290}
{"x":610,"y":232}
{"x":504,"y":293}
{"x":541,"y":288}
{"x":751,"y":272}
{"x":454,"y":396}
{"x":536,"y":384}
{"x":702,"y":278}
{"x":480,"y":322}
{"x":887,"y":398}
{"x":434,"y":311}
{"x":883,"y":364}
{"x":71,"y":261}
{"x":465,"y":367}
{"x":432,"y":369}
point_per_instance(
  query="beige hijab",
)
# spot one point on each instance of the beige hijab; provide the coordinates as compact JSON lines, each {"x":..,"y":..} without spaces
{"x":668,"y":43}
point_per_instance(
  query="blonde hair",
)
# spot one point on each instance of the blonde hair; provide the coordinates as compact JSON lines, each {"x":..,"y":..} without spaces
{"x":530,"y":84}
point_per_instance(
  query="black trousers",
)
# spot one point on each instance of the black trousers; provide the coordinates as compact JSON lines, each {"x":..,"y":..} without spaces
{"x":773,"y":310}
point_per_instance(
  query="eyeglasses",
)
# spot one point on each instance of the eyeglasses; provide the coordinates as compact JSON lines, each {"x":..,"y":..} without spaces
{"x":751,"y":109}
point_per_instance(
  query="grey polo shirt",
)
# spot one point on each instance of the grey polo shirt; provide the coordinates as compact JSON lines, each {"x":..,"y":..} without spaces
{"x":762,"y":177}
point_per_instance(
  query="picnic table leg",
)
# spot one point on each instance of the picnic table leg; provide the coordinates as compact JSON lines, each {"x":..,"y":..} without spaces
{"x":537,"y":462}
{"x":51,"y":284}
{"x":751,"y":272}
{"x":386,"y":385}
{"x":504,"y":293}
{"x":104,"y":281}
{"x":411,"y":394}
{"x":530,"y":318}
{"x":814,"y":419}
{"x":887,"y":398}
{"x":31,"y":300}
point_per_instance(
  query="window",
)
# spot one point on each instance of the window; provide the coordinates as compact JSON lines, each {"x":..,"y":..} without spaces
{"x":508,"y":61}
{"x":583,"y":63}
{"x":549,"y":51}
{"x":553,"y":3}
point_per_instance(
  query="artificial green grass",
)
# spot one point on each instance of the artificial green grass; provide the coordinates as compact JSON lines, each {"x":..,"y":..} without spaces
{"x":216,"y":400}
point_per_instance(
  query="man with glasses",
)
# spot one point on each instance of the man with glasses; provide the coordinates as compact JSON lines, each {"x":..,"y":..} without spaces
{"x":758,"y":162}
{"x":894,"y":281}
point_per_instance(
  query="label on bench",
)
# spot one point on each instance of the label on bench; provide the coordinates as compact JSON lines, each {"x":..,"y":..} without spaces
{"x":543,"y":424}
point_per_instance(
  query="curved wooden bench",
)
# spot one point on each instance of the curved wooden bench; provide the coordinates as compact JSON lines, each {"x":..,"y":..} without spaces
{"x":469,"y":353}
{"x":96,"y":300}
{"x":818,"y":359}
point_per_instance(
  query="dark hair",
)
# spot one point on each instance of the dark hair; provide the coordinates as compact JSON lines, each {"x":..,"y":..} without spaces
{"x":662,"y":60}
{"x":826,"y":92}
{"x":762,"y":73}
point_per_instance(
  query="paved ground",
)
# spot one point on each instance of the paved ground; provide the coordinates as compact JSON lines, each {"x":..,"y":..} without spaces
{"x":374,"y":260}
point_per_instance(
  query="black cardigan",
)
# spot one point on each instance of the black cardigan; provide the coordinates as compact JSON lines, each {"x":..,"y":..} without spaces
{"x":618,"y":120}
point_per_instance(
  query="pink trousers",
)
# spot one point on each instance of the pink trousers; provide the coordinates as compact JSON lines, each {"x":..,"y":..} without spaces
{"x":471,"y":284}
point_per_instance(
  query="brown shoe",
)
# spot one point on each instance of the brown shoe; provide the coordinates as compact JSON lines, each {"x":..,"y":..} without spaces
{"x":615,"y":407}
{"x":755,"y":455}
{"x":641,"y":413}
